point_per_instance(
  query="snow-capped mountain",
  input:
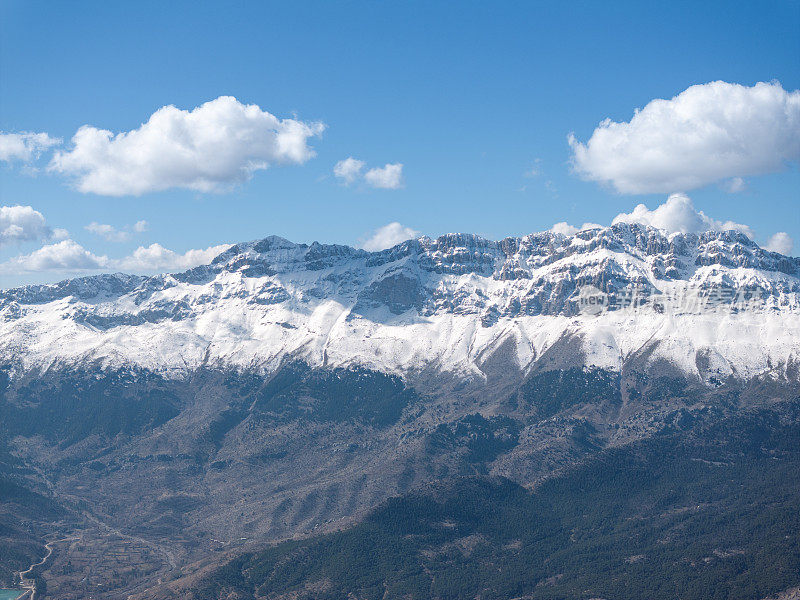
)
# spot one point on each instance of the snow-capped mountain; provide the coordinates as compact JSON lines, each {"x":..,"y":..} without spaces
{"x":713,"y":306}
{"x":286,"y":389}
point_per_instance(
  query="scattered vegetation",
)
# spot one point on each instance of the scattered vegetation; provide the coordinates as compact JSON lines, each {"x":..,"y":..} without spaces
{"x":67,"y":409}
{"x":550,"y":392}
{"x":705,"y":514}
{"x":19,"y":546}
{"x":482,"y":439}
{"x":336,"y":395}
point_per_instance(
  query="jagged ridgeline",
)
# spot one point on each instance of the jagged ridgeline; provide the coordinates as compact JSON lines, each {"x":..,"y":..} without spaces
{"x":449,"y":418}
{"x":448,"y":305}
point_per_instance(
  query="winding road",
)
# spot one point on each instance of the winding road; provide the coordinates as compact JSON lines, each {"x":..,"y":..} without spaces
{"x":29,"y":585}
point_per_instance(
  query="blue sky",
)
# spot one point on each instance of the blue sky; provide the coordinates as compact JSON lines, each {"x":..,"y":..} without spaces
{"x":475,"y":100}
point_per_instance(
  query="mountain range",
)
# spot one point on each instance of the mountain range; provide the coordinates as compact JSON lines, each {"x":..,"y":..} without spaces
{"x":303,"y":392}
{"x":444,"y":305}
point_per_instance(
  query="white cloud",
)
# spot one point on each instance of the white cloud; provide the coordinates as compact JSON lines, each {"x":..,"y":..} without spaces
{"x":348,"y":169}
{"x":388,"y":177}
{"x":157,"y":258}
{"x":780,"y":242}
{"x":678,"y":215}
{"x":708,"y":133}
{"x":25,"y":146}
{"x":735,"y":185}
{"x":108,"y":232}
{"x":565,"y":228}
{"x":388,"y":236}
{"x":112,"y":234}
{"x":66,"y":255}
{"x":208,"y":149}
{"x":22,"y":224}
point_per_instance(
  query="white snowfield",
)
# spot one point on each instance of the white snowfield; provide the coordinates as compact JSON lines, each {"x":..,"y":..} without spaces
{"x":713,"y":306}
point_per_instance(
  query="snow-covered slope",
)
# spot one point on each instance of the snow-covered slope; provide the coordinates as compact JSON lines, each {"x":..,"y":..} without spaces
{"x":712,"y":306}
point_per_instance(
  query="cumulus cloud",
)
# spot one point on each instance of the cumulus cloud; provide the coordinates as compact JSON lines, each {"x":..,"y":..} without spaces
{"x":66,"y":255}
{"x":112,"y":234}
{"x":388,"y":236}
{"x":210,"y":148}
{"x":707,"y":133}
{"x":565,"y":228}
{"x":108,"y":232}
{"x":69,"y":256}
{"x":157,"y":258}
{"x":26,"y":146}
{"x":388,"y":177}
{"x":349,"y":169}
{"x":780,"y":242}
{"x":678,"y":215}
{"x":23,"y":224}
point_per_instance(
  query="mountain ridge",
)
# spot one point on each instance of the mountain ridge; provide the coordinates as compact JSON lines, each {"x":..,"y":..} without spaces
{"x":451,"y":302}
{"x":287,"y":389}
